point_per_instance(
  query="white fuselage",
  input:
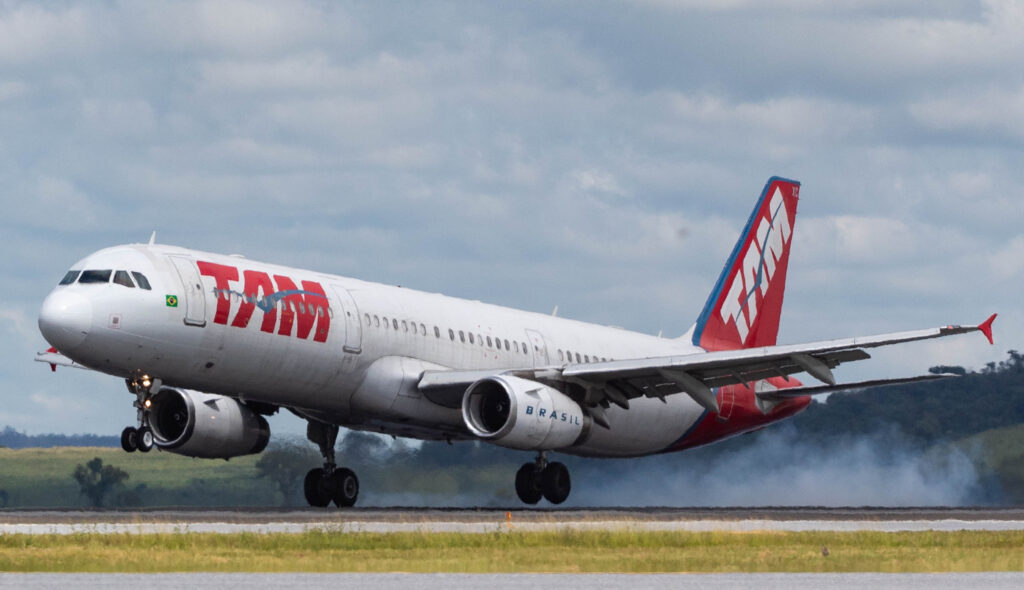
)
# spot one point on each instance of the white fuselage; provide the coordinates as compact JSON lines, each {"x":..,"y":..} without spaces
{"x":352,"y":357}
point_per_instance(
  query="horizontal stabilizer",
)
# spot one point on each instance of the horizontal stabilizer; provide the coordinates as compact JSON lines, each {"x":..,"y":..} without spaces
{"x":782,"y":394}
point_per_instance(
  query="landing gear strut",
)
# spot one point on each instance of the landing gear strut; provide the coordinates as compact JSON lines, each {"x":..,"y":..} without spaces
{"x":329,"y":483}
{"x":543,"y":479}
{"x":140,"y":438}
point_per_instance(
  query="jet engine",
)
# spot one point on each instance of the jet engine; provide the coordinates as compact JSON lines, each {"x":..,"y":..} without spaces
{"x":523,"y":414}
{"x":197,"y":424}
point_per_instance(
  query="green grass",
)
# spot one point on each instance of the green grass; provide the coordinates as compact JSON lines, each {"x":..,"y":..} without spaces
{"x":41,"y":477}
{"x":558,"y":551}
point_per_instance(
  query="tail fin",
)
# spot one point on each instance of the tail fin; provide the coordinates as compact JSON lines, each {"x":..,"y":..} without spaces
{"x":744,"y":308}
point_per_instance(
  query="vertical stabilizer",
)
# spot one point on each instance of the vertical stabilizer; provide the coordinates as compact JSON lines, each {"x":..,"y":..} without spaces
{"x":744,"y":308}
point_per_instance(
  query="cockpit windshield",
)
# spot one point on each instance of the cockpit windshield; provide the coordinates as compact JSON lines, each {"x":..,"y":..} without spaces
{"x":141,"y":280}
{"x":70,"y":277}
{"x":121,"y":277}
{"x":94,"y":276}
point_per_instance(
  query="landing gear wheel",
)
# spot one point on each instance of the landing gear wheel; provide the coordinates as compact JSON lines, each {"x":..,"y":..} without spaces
{"x":528,"y":483}
{"x":144,"y":439}
{"x":315,"y":488}
{"x":344,"y":487}
{"x":555,"y":482}
{"x":130,"y":439}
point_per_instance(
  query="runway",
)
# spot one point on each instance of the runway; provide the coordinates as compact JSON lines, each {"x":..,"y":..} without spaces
{"x":489,"y":520}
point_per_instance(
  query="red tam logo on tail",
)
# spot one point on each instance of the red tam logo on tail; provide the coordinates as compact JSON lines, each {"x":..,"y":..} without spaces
{"x":743,"y":310}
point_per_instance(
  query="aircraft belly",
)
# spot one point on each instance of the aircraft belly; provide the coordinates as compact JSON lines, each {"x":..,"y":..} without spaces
{"x":648,"y":426}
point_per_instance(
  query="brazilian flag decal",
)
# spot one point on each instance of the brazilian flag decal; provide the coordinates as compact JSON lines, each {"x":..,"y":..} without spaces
{"x":172,"y":301}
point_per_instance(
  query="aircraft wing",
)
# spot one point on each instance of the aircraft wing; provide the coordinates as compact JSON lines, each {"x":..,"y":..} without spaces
{"x":696,"y":374}
{"x":53,"y":358}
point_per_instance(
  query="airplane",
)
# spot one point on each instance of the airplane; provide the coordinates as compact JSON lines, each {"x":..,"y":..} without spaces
{"x":210,"y":344}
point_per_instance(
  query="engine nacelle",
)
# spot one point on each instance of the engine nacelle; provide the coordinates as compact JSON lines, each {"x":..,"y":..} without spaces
{"x":523,"y":414}
{"x":205,"y":425}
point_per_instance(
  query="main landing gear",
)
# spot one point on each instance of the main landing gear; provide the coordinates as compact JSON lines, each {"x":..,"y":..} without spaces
{"x":543,"y":479}
{"x":140,"y":438}
{"x":329,"y":483}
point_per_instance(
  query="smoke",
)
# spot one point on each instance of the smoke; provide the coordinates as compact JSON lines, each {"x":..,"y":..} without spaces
{"x":774,"y":467}
{"x":783,"y":469}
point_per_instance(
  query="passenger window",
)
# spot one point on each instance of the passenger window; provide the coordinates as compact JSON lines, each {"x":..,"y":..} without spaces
{"x":560,"y":357}
{"x":142,"y":281}
{"x":437,"y":332}
{"x":385,"y":318}
{"x":121,"y":278}
{"x":578,"y":359}
{"x":489,"y":342}
{"x":376,"y":321}
{"x":394,"y":324}
{"x":506,"y":345}
{"x":471,"y":338}
{"x":525,"y":349}
{"x":515,"y":344}
{"x":405,"y":326}
{"x":368,"y":323}
{"x":423,"y":330}
{"x":302,"y":306}
{"x":70,"y":277}
{"x":462,"y":336}
{"x":569,"y":354}
{"x":451,"y":334}
{"x":95,"y":276}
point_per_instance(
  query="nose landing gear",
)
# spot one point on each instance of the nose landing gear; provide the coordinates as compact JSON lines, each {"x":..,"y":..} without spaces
{"x":140,"y":438}
{"x":543,"y":479}
{"x":329,"y":483}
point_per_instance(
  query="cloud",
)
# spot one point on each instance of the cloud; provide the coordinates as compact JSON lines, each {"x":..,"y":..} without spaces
{"x":602,"y":160}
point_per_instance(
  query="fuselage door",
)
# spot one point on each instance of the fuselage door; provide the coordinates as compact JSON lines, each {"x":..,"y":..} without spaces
{"x":350,"y":313}
{"x":195,"y":299}
{"x":539,"y":348}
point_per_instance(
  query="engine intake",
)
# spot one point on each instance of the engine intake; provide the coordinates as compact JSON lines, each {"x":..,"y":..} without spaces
{"x":523,"y":414}
{"x":197,"y":424}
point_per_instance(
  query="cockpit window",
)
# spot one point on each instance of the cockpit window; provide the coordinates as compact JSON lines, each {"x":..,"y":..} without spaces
{"x":70,"y":277}
{"x":141,"y":280}
{"x":121,"y":278}
{"x":95,"y":276}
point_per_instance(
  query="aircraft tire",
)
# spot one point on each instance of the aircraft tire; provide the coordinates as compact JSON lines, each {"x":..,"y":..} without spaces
{"x":315,"y":488}
{"x":555,"y":482}
{"x":344,"y":487}
{"x":144,"y":439}
{"x":130,"y":439}
{"x":528,"y":484}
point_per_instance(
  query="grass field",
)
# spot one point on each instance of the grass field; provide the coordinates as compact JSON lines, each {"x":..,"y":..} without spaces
{"x":561,"y":551}
{"x":41,"y":477}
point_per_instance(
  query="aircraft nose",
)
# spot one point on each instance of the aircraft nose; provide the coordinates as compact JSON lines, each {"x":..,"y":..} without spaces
{"x":65,"y":319}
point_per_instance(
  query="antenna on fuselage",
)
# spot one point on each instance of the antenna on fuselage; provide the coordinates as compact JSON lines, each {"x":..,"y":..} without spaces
{"x":554,"y":313}
{"x":152,"y":238}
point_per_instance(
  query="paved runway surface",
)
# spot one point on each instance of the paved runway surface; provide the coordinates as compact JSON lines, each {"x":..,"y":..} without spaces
{"x":491,"y":520}
{"x":994,"y":581}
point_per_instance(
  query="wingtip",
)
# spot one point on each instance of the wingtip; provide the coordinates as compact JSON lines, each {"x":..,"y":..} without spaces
{"x":986,"y":328}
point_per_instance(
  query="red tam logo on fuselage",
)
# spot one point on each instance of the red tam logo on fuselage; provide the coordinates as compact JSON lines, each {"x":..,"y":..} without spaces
{"x":299,"y":309}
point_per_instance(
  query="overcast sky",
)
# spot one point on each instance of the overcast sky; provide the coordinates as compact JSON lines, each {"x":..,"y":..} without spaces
{"x":601,"y":157}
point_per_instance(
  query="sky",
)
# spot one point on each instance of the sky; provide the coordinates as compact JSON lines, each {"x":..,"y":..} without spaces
{"x":597,"y":156}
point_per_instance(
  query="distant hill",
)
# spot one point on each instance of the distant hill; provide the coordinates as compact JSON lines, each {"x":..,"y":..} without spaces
{"x":13,"y":439}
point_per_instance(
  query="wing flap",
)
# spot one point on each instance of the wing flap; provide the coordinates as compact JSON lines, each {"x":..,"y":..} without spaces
{"x":783,"y":394}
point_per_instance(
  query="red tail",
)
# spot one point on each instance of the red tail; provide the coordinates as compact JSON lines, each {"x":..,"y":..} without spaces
{"x":744,"y":308}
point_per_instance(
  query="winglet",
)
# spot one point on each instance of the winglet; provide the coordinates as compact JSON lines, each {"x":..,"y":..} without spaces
{"x":53,"y":366}
{"x":986,"y":328}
